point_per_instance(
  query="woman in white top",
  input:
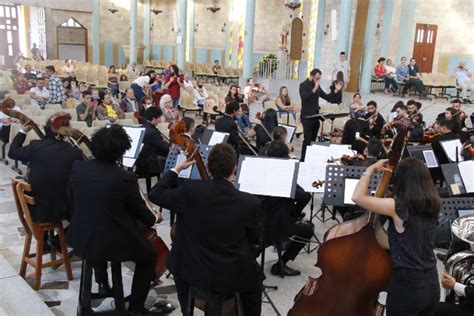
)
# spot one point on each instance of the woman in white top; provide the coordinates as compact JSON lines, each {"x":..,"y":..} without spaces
{"x":141,"y":83}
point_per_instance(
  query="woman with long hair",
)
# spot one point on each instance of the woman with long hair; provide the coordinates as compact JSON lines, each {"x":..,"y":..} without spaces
{"x":412,"y":212}
{"x":265,"y":129}
{"x":112,"y":81}
{"x":233,"y":95}
{"x":173,"y":83}
{"x":284,"y":103}
{"x":243,"y":120}
{"x":140,"y":84}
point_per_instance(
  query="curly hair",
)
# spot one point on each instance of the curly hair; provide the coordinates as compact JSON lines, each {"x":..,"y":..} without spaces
{"x":110,"y":143}
{"x":222,"y":161}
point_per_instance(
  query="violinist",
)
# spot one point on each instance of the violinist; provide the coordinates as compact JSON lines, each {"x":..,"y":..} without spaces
{"x":416,"y":117}
{"x":282,"y":216}
{"x":401,"y":114}
{"x":107,"y":230}
{"x":356,"y":132}
{"x":215,"y":230}
{"x":446,"y":133}
{"x":226,"y":124}
{"x":460,"y":114}
{"x":376,"y":120}
{"x":372,"y":151}
{"x":413,"y":211}
{"x":279,"y":133}
{"x":151,"y":161}
{"x":265,"y":130}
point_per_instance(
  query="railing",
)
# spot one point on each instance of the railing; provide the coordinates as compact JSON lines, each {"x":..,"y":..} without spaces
{"x":281,"y":69}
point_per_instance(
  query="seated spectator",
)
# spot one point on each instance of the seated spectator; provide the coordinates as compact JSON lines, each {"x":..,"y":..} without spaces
{"x":250,"y":85}
{"x":415,"y":77}
{"x":29,"y":75}
{"x":39,"y":94}
{"x":75,"y":98}
{"x":187,"y":84}
{"x":284,"y":103}
{"x":201,"y":99}
{"x":356,"y":107}
{"x":86,"y":111}
{"x":337,"y":93}
{"x":68,"y":70}
{"x":107,"y":110}
{"x":464,"y":81}
{"x":233,"y":95}
{"x":255,"y":100}
{"x":123,"y":77}
{"x":216,"y":66}
{"x":381,"y":72}
{"x":170,"y":114}
{"x":112,"y":81}
{"x":146,"y":103}
{"x":123,"y":70}
{"x":128,"y":103}
{"x":132,"y":70}
{"x":21,"y":84}
{"x":391,"y":69}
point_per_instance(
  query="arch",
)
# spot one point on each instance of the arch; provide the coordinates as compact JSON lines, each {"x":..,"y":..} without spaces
{"x":71,"y":40}
{"x":296,"y":44}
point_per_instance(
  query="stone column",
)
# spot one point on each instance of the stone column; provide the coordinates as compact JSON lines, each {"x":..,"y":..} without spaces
{"x":190,"y":31}
{"x":406,"y":30}
{"x":248,"y":39}
{"x":133,"y":31}
{"x":387,"y":29}
{"x":95,"y":32}
{"x":181,"y":35}
{"x":344,"y":29}
{"x":368,"y":61}
{"x":146,"y":29}
{"x":318,"y":46}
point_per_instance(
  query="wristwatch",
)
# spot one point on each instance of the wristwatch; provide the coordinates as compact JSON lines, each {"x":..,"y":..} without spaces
{"x":365,"y":173}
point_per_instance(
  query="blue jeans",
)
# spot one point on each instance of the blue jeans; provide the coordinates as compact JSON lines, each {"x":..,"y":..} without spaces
{"x":175,"y":103}
{"x":138,"y":92}
{"x":243,"y":121}
{"x":281,"y":112}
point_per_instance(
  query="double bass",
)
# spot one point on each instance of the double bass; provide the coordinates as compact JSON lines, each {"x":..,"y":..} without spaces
{"x":355,"y":267}
{"x":76,"y":138}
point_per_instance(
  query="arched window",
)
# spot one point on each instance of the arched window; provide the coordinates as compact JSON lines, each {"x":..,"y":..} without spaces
{"x":71,"y":22}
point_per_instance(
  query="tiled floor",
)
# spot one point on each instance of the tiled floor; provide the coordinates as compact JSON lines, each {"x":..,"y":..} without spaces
{"x":62,"y":295}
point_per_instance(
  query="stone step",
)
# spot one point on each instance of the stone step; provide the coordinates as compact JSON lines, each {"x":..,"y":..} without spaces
{"x":16,"y":296}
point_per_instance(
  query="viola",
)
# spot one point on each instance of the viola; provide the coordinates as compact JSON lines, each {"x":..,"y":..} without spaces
{"x":355,"y":267}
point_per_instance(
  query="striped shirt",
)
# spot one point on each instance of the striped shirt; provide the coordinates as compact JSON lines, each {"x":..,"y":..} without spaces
{"x":412,"y":249}
{"x":56,"y":90}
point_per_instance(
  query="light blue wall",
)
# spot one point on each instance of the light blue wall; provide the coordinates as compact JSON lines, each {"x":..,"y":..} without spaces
{"x":216,"y":54}
{"x":156,"y":52}
{"x":121,"y":55}
{"x":109,"y":54}
{"x":167,"y":52}
{"x":201,"y":55}
{"x":453,"y":62}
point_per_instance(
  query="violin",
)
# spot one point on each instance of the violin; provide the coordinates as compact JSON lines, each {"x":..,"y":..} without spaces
{"x":349,"y":160}
{"x":24,"y":120}
{"x":318,"y":183}
{"x":353,"y":244}
{"x":430,"y":136}
{"x":469,"y":149}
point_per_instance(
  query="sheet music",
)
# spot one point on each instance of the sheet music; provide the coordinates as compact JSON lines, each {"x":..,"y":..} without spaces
{"x":317,"y":154}
{"x":290,"y":131}
{"x":185,"y":173}
{"x":135,"y":134}
{"x":310,"y":172}
{"x":349,"y":187}
{"x":217,"y":138}
{"x":269,"y":177}
{"x":449,"y":147}
{"x":337,"y":150}
{"x":466,"y":169}
{"x":128,"y":162}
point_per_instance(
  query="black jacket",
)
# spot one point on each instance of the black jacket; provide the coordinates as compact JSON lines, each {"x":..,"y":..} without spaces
{"x":50,"y":163}
{"x":376,"y":130}
{"x":148,"y":163}
{"x":438,"y":149}
{"x":310,"y":100}
{"x":226,"y":124}
{"x":106,"y":206}
{"x":215,"y":230}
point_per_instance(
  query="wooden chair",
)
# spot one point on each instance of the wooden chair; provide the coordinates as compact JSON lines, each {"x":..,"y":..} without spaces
{"x":23,"y":199}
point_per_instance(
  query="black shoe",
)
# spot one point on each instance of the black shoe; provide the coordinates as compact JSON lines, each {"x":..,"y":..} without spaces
{"x":145,"y":312}
{"x":441,"y":257}
{"x":287,"y":271}
{"x":165,"y":307}
{"x":302,"y":215}
{"x":104,"y":288}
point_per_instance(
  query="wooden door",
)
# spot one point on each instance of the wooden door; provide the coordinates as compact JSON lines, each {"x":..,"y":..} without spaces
{"x":9,"y":39}
{"x":424,"y":46}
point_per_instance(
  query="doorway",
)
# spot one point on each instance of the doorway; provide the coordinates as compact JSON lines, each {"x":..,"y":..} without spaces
{"x":72,"y":40}
{"x":424,"y":46}
{"x":9,"y":33}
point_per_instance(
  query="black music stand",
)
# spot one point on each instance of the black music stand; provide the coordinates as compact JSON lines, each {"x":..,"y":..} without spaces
{"x":419,"y":152}
{"x":173,"y":156}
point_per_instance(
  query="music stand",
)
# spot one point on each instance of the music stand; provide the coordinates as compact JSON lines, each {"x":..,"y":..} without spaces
{"x":173,"y":156}
{"x":422,"y":153}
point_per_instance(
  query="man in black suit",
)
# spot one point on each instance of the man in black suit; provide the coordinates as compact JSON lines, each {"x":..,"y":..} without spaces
{"x":226,"y":124}
{"x":106,"y":206}
{"x":50,"y":162}
{"x":444,"y":128}
{"x":155,"y":149}
{"x":372,"y":151}
{"x":377,"y":122}
{"x":216,"y":228}
{"x":310,"y":92}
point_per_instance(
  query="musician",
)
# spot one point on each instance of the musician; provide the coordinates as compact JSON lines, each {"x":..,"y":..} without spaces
{"x":356,"y":132}
{"x":279,"y":133}
{"x":310,"y":92}
{"x":226,"y":124}
{"x":451,"y":115}
{"x":414,"y":286}
{"x":445,"y":129}
{"x":216,"y":227}
{"x":376,"y":120}
{"x":264,"y":131}
{"x":106,"y":205}
{"x":401,"y":114}
{"x":456,"y":103}
{"x":372,"y":152}
{"x":6,"y":120}
{"x":467,"y":292}
{"x":50,"y":162}
{"x":413,"y":107}
{"x":155,"y":149}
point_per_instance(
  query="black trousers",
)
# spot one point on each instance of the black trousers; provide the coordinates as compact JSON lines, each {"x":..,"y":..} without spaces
{"x":390,"y":81}
{"x":302,"y":199}
{"x":251,"y":300}
{"x":301,"y":230}
{"x":142,"y":277}
{"x":310,"y":132}
{"x":413,"y":292}
{"x":450,"y":309}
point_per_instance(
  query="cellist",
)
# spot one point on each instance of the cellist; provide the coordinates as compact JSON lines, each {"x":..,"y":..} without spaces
{"x":414,"y":287}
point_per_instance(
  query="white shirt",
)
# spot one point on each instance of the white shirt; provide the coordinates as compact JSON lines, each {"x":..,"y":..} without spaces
{"x":199,"y":94}
{"x":462,"y":76}
{"x":141,"y":81}
{"x":44,"y":93}
{"x":460,"y":289}
{"x":4,"y":116}
{"x":188,"y":85}
{"x":344,"y":67}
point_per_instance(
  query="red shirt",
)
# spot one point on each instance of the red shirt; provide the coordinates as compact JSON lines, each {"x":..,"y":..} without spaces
{"x":174,"y":87}
{"x":380,"y":70}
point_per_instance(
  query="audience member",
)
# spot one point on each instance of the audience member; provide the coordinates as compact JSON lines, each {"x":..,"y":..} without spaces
{"x":343,"y":66}
{"x":112,"y":81}
{"x":129,"y":103}
{"x":464,"y":81}
{"x":140,"y":84}
{"x":21,"y":84}
{"x":107,"y":110}
{"x":86,"y":110}
{"x":132,"y":70}
{"x":174,"y":82}
{"x":233,"y":95}
{"x":284,"y":103}
{"x":55,"y":87}
{"x":170,"y":114}
{"x":39,"y":94}
{"x":255,"y":100}
{"x":356,"y":107}
{"x":29,"y":75}
{"x":381,"y":72}
{"x":187,"y":84}
{"x":415,"y":77}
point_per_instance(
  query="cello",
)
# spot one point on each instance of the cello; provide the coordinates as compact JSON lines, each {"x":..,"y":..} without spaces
{"x":76,"y":138}
{"x":7,"y":108}
{"x":352,"y":261}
